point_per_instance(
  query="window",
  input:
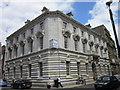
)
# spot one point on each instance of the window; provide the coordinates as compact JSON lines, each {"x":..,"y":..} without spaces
{"x":11,"y":42}
{"x":23,"y":49}
{"x":82,"y":33}
{"x":32,"y":31}
{"x":78,"y":68}
{"x":101,"y":52}
{"x":21,"y":71}
{"x":29,"y":70}
{"x":89,"y":36}
{"x":8,"y":72}
{"x":87,"y":68}
{"x":91,"y":47}
{"x":94,"y":39}
{"x":41,"y":25}
{"x":64,"y":25}
{"x":14,"y":72}
{"x":68,"y":67}
{"x":106,"y":78}
{"x":76,"y":45}
{"x":99,"y":41}
{"x":96,"y":49}
{"x":108,"y":69}
{"x":24,"y":35}
{"x":74,"y":29}
{"x":105,"y":69}
{"x":84,"y":47}
{"x":10,"y":54}
{"x":99,"y":68}
{"x":16,"y":51}
{"x":17,"y":38}
{"x":65,"y":42}
{"x":40,"y":69}
{"x":41,"y":42}
{"x":31,"y":46}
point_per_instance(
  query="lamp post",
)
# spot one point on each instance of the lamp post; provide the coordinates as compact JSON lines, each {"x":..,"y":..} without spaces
{"x":114,"y":29}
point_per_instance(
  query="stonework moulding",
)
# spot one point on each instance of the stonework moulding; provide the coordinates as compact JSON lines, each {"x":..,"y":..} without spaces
{"x":76,"y":37}
{"x":91,"y":43}
{"x":84,"y":40}
{"x":30,"y":38}
{"x":22,"y":42}
{"x":66,"y":33}
{"x":40,"y":34}
{"x":101,"y":47}
{"x":96,"y":45}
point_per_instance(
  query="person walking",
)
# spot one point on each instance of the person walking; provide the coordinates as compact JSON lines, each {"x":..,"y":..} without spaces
{"x":49,"y":83}
{"x":59,"y":82}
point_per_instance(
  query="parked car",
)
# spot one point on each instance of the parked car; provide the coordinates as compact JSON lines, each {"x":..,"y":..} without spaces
{"x":3,"y":82}
{"x":21,"y":84}
{"x":106,"y":82}
{"x":118,"y":77}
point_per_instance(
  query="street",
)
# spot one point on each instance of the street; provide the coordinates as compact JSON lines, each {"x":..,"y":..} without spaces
{"x":86,"y":87}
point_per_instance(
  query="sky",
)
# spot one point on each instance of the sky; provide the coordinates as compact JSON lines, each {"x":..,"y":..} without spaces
{"x":13,"y":13}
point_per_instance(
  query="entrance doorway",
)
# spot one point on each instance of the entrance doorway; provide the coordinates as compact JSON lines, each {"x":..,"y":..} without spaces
{"x":94,"y":71}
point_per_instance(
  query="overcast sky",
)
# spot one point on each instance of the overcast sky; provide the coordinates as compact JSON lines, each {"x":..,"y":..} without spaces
{"x":13,"y":13}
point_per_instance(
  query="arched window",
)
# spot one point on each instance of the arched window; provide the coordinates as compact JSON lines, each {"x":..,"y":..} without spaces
{"x":30,"y":42}
{"x":41,"y":42}
{"x":66,"y":35}
{"x":65,"y":42}
{"x":16,"y":50}
{"x":40,"y":35}
{"x":84,"y":42}
{"x":76,"y":38}
{"x":31,"y":46}
{"x":22,"y":44}
{"x":10,"y":52}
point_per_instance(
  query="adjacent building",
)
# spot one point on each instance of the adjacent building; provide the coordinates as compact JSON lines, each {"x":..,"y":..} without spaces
{"x":111,"y":48}
{"x":2,"y":60}
{"x":55,"y":45}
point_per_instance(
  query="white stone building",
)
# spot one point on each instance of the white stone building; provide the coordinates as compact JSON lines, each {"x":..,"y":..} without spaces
{"x":55,"y":45}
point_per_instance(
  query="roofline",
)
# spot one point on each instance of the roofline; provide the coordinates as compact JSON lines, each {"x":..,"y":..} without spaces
{"x":51,"y":12}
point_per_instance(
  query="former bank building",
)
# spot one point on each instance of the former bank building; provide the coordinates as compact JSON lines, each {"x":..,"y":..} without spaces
{"x":55,"y":45}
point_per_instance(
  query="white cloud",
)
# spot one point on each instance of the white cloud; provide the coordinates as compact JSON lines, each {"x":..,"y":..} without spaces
{"x":100,"y":15}
{"x":14,"y":13}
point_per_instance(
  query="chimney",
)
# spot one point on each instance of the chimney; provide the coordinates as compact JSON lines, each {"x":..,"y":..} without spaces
{"x":26,"y":22}
{"x":44,"y":9}
{"x":88,"y":25}
{"x":69,"y":14}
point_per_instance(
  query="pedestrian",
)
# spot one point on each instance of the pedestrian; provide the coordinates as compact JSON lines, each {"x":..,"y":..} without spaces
{"x":81,"y":79}
{"x":49,"y":83}
{"x":59,"y":82}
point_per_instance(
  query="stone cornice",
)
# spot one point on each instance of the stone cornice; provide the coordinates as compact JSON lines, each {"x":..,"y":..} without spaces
{"x":45,"y":15}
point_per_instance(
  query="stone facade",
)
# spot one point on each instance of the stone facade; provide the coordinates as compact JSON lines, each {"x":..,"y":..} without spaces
{"x":112,"y":53}
{"x":2,"y":60}
{"x":55,"y":45}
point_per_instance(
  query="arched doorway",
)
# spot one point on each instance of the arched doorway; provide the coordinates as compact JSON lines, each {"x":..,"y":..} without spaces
{"x":94,"y":70}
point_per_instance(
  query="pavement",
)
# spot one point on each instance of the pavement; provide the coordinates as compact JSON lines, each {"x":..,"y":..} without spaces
{"x":75,"y":87}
